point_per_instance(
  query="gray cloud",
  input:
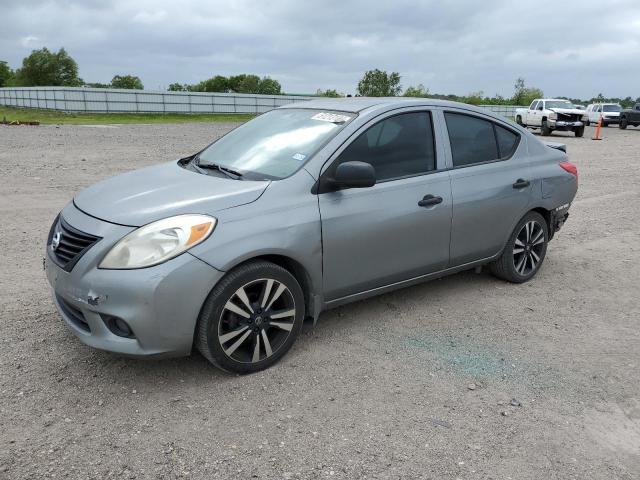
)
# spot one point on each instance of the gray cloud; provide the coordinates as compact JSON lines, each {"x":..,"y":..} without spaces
{"x":565,"y":48}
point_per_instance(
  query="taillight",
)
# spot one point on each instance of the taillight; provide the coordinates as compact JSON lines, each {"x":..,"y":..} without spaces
{"x":572,"y":168}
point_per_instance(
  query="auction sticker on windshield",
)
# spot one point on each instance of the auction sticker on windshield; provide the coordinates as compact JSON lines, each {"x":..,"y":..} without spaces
{"x":331,"y":117}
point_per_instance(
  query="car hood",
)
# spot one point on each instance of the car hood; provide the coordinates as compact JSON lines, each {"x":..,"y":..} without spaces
{"x":569,"y":111}
{"x":142,"y":196}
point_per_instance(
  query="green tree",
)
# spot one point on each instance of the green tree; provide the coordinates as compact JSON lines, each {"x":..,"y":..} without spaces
{"x":524,"y":95}
{"x":418,"y":91}
{"x":244,"y":83}
{"x":328,"y":93}
{"x":269,"y":86}
{"x":218,"y":83}
{"x":130,"y":82}
{"x":6,"y":74}
{"x":474,"y":98}
{"x":45,"y":68}
{"x":177,"y":87}
{"x":378,"y":83}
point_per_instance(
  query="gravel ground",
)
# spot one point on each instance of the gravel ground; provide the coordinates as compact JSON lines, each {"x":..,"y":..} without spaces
{"x":465,"y":377}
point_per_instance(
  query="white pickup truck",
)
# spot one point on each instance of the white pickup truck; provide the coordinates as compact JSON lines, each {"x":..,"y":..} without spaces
{"x":549,"y":114}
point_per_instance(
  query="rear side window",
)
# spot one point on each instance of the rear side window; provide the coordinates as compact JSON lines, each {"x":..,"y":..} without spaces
{"x":474,"y":140}
{"x":399,"y":146}
{"x":507,"y":141}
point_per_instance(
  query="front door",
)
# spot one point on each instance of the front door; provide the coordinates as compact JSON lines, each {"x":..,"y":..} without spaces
{"x":399,"y":228}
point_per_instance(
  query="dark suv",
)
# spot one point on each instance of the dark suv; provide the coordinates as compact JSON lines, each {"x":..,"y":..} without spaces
{"x":630,"y":116}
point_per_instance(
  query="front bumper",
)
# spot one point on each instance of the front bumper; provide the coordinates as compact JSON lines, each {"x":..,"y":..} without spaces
{"x":564,"y":125}
{"x":610,"y":120}
{"x":160,"y":304}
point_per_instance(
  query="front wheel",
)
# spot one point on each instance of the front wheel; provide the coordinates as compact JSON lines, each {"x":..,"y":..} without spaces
{"x":579,"y":131}
{"x":251,"y":318}
{"x":623,"y":124}
{"x":588,"y":123}
{"x":525,"y":250}
{"x":519,"y":120}
{"x":544,"y":129}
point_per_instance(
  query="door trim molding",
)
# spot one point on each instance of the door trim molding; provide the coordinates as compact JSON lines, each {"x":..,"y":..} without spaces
{"x":409,"y":282}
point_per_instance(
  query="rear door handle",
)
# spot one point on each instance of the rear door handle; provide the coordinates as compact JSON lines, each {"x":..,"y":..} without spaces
{"x":521,"y":183}
{"x":429,"y":201}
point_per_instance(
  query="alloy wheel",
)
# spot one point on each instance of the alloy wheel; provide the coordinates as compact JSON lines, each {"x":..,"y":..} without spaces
{"x":528,"y":247}
{"x":256,"y":321}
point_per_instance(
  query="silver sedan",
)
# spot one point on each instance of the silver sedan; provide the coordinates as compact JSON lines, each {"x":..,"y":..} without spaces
{"x":302,"y":209}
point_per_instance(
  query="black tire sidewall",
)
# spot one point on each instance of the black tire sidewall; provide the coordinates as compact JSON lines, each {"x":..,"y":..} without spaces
{"x":214,"y":306}
{"x":512,"y":240}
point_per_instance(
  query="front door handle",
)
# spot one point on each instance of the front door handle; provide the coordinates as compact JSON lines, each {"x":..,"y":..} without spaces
{"x":429,"y":201}
{"x":521,"y":183}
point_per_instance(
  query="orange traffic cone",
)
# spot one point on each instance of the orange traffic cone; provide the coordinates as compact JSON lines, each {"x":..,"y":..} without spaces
{"x":598,"y":127}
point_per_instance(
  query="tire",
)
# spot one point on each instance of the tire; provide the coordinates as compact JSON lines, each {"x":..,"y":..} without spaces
{"x":579,"y":131}
{"x":587,"y":123}
{"x":623,"y":124}
{"x":545,"y":131}
{"x":519,"y":120}
{"x":605,"y":124}
{"x":521,"y":266}
{"x":237,"y":329}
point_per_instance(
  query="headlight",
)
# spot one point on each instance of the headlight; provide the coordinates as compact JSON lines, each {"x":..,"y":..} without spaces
{"x":158,"y":242}
{"x":585,"y":118}
{"x":553,"y":116}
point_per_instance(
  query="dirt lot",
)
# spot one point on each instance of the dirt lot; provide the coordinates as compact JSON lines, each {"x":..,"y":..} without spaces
{"x":414,"y":384}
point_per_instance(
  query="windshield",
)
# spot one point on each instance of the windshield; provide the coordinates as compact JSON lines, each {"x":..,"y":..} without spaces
{"x":611,"y":108}
{"x":558,"y":104}
{"x":275,"y":144}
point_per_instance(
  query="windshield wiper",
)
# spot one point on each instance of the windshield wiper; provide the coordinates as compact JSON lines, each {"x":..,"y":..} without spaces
{"x":214,"y":166}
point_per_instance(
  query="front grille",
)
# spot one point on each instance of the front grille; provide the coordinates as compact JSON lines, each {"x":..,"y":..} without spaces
{"x":66,"y":244}
{"x":568,"y":117}
{"x":74,"y":315}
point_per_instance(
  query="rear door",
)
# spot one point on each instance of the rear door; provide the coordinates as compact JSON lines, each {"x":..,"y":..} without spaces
{"x":532,"y":113}
{"x":490,"y":183}
{"x":376,"y":236}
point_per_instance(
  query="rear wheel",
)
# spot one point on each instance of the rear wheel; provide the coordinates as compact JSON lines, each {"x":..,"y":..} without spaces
{"x":544,"y":129}
{"x":579,"y":131}
{"x":623,"y":123}
{"x":525,"y":250}
{"x":251,"y":318}
{"x":519,"y":120}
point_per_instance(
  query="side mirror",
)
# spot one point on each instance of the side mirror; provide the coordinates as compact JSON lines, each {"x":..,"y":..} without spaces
{"x":353,"y":175}
{"x":540,"y":107}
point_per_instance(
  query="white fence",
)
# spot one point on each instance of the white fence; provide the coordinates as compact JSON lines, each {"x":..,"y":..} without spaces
{"x":106,"y":100}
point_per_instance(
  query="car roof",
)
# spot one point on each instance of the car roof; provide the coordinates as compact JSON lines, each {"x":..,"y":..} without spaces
{"x":358,"y":104}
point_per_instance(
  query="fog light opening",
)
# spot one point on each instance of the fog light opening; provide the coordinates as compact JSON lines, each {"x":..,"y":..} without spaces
{"x":118,"y":326}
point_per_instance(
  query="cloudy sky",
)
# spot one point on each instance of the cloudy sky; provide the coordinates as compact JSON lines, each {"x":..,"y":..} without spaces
{"x":577,"y":48}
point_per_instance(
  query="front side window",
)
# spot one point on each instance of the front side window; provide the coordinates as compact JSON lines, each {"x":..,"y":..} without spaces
{"x":275,"y":144}
{"x":474,"y":140}
{"x":534,"y":105}
{"x":399,"y":146}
